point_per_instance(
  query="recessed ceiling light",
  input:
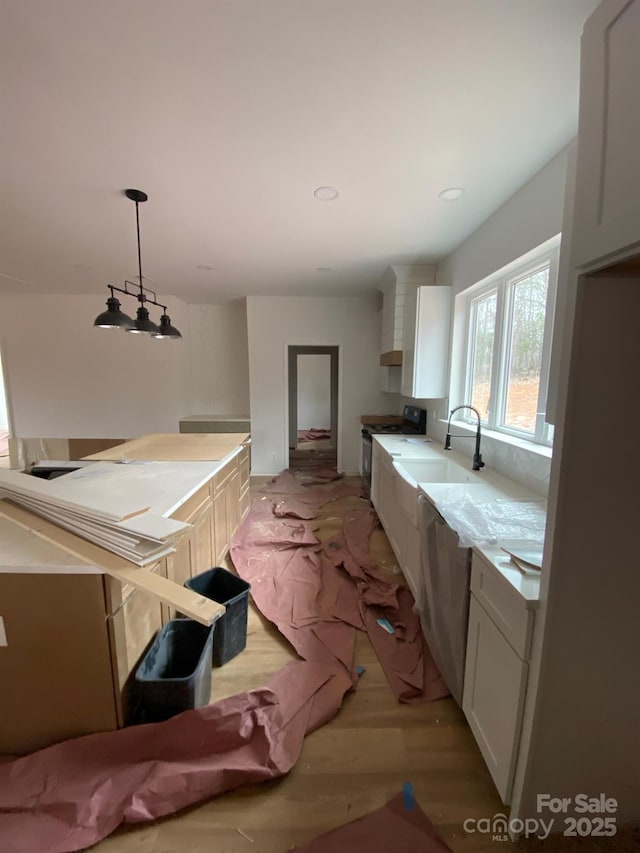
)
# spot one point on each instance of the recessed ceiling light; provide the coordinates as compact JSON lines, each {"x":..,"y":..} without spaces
{"x":326,"y":193}
{"x":323,"y":269}
{"x":451,"y":194}
{"x":204,"y":267}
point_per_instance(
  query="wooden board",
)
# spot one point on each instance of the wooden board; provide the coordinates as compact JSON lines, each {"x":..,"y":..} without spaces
{"x":175,"y":447}
{"x":381,"y":419}
{"x":393,"y":358}
{"x":195,"y":606}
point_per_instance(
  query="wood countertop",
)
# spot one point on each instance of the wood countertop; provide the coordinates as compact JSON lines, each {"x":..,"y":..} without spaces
{"x":175,"y":447}
{"x":381,"y":419}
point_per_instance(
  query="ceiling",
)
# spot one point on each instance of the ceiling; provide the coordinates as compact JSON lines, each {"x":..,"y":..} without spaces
{"x":230,"y":113}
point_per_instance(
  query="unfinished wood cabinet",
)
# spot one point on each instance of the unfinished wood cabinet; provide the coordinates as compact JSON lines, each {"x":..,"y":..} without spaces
{"x":226,"y":507}
{"x":244,"y":469}
{"x":55,"y":659}
{"x":131,"y":629}
{"x":197,"y":543}
{"x":71,"y":636}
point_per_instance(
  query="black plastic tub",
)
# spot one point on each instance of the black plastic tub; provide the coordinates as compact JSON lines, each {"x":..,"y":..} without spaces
{"x":231,"y":629}
{"x":175,"y":673}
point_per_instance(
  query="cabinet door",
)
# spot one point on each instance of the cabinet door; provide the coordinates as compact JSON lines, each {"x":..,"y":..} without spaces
{"x":220,"y":526}
{"x":179,"y":563}
{"x":244,"y":473}
{"x":376,"y":462}
{"x":607,"y":198}
{"x":493,"y":697}
{"x":131,"y":630}
{"x":389,"y":510}
{"x":425,"y":354}
{"x":226,"y":510}
{"x":232,"y":499}
{"x":200,"y":540}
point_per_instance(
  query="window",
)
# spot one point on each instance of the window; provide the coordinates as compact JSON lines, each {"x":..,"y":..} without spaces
{"x":508,"y":341}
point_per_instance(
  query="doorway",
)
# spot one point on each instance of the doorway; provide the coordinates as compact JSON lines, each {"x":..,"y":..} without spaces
{"x":313,"y":406}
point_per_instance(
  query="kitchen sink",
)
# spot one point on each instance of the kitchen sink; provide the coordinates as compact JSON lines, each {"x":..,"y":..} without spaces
{"x":414,"y":471}
{"x":434,"y":471}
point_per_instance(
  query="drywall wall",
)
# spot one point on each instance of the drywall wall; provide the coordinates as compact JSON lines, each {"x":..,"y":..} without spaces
{"x":4,"y":414}
{"x":69,"y":379}
{"x":583,"y":706}
{"x":530,"y":216}
{"x":314,"y":391}
{"x":353,"y":324}
{"x":219,"y":359}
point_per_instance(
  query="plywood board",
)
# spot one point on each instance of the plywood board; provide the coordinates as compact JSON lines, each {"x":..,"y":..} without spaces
{"x":64,"y":491}
{"x":185,"y":447}
{"x":191,"y":604}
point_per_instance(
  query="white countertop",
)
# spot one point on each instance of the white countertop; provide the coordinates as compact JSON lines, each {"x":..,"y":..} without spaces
{"x":528,"y":586}
{"x":485,"y":486}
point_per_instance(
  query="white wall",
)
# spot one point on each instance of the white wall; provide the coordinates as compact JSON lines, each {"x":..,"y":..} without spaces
{"x":314,"y":391}
{"x":4,"y":414}
{"x":68,"y":379}
{"x":529,"y":217}
{"x":353,"y":324}
{"x":219,"y":359}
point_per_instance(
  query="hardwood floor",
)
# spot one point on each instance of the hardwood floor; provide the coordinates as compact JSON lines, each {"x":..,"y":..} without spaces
{"x":347,"y":768}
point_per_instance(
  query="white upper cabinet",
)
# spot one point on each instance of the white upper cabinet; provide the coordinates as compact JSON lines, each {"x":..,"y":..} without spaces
{"x":425,"y":354}
{"x":607,"y":200}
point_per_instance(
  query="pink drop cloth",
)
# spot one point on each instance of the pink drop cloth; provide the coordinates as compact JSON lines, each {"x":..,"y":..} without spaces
{"x":71,"y":795}
{"x":313,"y":434}
{"x":318,"y":594}
{"x":394,"y":828}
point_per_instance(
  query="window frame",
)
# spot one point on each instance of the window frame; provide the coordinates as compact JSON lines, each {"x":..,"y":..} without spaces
{"x":503,"y":283}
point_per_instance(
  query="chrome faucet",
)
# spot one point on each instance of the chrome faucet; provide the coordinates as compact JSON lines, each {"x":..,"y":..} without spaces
{"x":477,"y":458}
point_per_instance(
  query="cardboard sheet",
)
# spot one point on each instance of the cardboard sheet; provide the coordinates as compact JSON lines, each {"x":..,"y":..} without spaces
{"x":400,"y":826}
{"x":75,"y":793}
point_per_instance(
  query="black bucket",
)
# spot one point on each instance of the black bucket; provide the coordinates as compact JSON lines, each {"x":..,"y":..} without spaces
{"x":175,"y":673}
{"x":231,"y":629}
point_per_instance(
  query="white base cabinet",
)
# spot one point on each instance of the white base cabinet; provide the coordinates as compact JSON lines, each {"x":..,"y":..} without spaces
{"x":494,"y":688}
{"x":496,"y":670}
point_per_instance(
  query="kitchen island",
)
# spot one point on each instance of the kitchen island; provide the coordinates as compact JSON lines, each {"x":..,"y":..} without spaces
{"x":71,"y":634}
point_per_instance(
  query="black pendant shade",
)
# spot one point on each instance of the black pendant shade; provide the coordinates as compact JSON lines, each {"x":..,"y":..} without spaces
{"x":142,"y":324}
{"x":167,"y":331}
{"x":114,"y":318}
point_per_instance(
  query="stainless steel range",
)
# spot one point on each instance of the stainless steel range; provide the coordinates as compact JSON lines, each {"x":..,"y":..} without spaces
{"x":414,"y":422}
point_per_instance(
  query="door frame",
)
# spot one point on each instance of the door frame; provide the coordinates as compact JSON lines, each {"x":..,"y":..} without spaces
{"x":293,"y":351}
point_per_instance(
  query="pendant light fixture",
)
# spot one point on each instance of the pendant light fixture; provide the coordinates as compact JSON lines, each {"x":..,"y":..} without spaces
{"x":114,"y":318}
